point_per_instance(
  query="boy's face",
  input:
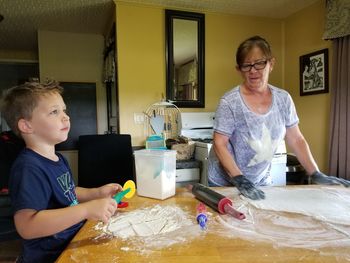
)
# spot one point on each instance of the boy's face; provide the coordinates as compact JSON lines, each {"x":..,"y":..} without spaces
{"x":50,"y":124}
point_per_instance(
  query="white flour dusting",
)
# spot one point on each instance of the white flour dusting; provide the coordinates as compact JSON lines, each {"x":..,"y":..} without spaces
{"x":288,"y":228}
{"x":156,"y":227}
{"x":150,"y":228}
{"x":148,"y":222}
{"x":325,"y":204}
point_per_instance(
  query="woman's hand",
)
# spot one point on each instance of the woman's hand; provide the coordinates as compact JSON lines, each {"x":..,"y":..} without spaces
{"x":320,"y":178}
{"x":247,"y":188}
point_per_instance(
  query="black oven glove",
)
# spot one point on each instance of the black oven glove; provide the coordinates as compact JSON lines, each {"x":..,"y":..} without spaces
{"x":247,"y":188}
{"x":320,"y":178}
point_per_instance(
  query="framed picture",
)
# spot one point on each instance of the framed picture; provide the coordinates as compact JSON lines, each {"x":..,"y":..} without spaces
{"x":314,"y":73}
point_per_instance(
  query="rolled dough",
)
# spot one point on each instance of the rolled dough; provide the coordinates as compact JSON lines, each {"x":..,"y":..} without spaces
{"x":329,"y":204}
{"x":148,"y":221}
{"x":301,"y":217}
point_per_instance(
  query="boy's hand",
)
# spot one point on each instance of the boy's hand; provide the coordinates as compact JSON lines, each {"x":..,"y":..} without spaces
{"x":101,"y":209}
{"x":109,"y":190}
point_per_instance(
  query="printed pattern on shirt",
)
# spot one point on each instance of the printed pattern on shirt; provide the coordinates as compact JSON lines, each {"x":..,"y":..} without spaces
{"x":253,"y":138}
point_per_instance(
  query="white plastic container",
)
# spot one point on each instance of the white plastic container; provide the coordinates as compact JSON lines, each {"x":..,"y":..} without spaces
{"x":155,"y":173}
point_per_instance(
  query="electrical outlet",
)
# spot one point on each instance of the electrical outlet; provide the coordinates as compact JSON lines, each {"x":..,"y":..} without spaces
{"x":139,"y":118}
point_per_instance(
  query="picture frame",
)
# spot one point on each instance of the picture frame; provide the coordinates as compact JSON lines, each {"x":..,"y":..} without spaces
{"x":313,"y":73}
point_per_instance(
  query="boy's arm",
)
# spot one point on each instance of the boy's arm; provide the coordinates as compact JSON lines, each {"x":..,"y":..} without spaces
{"x":87,"y":194}
{"x":34,"y":224}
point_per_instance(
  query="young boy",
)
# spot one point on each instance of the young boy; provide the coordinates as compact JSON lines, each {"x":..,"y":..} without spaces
{"x":49,"y":209}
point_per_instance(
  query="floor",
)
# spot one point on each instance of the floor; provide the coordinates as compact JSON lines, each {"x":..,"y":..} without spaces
{"x":9,"y":251}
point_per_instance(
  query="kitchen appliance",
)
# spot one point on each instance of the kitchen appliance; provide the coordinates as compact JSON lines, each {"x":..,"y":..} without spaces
{"x":190,"y":171}
{"x":187,"y":172}
{"x":199,"y":127}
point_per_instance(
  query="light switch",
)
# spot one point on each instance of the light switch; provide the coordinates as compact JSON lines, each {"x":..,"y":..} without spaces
{"x":139,"y":118}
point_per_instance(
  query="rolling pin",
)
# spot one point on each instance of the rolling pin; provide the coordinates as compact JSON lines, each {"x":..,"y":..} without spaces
{"x":216,"y":201}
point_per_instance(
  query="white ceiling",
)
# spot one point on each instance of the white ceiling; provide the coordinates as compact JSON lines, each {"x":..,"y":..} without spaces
{"x":262,"y":8}
{"x":23,"y":18}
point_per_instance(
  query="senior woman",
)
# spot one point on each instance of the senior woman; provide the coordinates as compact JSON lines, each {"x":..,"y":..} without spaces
{"x":250,"y":122}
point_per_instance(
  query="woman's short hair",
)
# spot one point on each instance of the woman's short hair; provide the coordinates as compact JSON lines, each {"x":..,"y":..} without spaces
{"x":247,"y":45}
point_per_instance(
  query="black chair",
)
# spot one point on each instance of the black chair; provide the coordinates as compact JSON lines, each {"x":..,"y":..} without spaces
{"x":104,"y":159}
{"x":7,"y":225}
{"x":10,"y":147}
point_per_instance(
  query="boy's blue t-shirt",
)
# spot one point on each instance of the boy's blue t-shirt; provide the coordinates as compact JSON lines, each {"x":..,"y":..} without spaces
{"x":39,"y":183}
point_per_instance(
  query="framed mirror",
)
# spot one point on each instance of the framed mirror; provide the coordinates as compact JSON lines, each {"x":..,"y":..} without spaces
{"x":185,"y":58}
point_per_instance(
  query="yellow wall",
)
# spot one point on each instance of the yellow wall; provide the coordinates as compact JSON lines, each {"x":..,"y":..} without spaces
{"x":71,"y":57}
{"x":141,"y":57}
{"x":303,"y":35}
{"x":141,"y":63}
{"x":18,"y":55}
{"x":223,"y":35}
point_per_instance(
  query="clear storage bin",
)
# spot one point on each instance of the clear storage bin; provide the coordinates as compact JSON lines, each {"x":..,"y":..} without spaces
{"x":155,"y":173}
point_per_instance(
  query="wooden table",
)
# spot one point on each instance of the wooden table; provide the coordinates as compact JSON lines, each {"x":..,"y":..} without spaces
{"x":209,"y":247}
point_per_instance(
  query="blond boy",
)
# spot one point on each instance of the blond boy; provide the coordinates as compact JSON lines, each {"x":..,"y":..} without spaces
{"x":49,"y":209}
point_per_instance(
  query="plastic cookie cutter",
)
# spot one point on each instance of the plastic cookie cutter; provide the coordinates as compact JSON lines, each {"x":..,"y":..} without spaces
{"x":128,"y":192}
{"x":202,"y":216}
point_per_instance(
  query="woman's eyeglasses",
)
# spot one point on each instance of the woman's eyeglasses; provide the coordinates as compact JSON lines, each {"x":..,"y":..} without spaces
{"x":257,"y":65}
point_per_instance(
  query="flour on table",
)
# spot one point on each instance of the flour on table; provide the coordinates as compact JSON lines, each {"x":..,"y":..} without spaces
{"x":305,"y":217}
{"x":323,"y":204}
{"x":151,"y":227}
{"x":148,"y":221}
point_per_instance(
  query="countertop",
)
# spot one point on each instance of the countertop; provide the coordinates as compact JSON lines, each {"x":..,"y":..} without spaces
{"x":214,"y":244}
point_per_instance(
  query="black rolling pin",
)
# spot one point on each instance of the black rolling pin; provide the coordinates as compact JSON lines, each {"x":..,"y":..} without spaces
{"x":215,"y":200}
